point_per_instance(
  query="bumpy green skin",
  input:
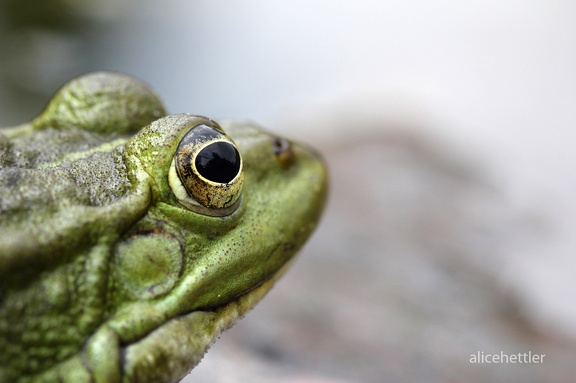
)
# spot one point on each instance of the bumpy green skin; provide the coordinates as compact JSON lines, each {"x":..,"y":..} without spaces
{"x":104,"y":276}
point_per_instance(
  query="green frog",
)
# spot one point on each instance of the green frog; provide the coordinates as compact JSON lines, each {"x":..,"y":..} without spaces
{"x":130,"y":239}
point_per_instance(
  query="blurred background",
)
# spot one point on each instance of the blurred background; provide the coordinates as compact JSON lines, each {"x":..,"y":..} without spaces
{"x":448,"y":127}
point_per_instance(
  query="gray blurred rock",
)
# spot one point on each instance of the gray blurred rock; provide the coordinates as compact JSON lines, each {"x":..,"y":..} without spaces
{"x":399,"y":284}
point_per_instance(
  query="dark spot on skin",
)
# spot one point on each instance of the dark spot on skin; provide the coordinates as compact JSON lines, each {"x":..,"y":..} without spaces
{"x":150,"y":231}
{"x":152,"y":288}
{"x":151,"y":259}
{"x":11,"y":176}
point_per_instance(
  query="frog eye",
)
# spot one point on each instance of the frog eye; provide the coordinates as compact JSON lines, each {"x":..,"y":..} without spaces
{"x":206,"y":174}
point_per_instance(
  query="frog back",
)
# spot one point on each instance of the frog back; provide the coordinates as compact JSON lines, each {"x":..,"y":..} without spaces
{"x":66,"y":196}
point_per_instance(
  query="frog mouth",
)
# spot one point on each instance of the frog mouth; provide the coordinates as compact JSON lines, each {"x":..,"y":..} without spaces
{"x":178,"y":345}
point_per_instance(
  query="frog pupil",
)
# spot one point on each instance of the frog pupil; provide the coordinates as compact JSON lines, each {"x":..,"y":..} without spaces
{"x":218,"y":162}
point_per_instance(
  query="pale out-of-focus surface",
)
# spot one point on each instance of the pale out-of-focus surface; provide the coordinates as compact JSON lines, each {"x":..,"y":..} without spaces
{"x":448,"y":128}
{"x":401,"y":283}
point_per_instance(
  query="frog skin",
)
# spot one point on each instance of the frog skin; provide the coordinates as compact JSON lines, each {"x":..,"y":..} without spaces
{"x":129,"y":240}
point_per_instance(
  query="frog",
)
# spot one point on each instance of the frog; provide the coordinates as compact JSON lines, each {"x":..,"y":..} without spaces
{"x":131,"y":238}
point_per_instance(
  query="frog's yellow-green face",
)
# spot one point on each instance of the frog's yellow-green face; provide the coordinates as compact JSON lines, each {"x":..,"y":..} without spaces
{"x":122,"y":257}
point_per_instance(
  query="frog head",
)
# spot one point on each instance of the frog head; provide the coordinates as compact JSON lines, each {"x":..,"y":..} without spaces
{"x":144,"y":236}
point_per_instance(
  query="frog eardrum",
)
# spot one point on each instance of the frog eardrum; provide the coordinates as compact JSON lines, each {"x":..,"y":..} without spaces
{"x":206,"y":174}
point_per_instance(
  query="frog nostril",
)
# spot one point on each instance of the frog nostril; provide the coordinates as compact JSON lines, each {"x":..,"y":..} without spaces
{"x":282,"y":148}
{"x":280,"y":145}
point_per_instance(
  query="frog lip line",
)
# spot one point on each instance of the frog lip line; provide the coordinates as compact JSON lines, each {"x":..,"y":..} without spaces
{"x":273,"y":276}
{"x":223,"y":316}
